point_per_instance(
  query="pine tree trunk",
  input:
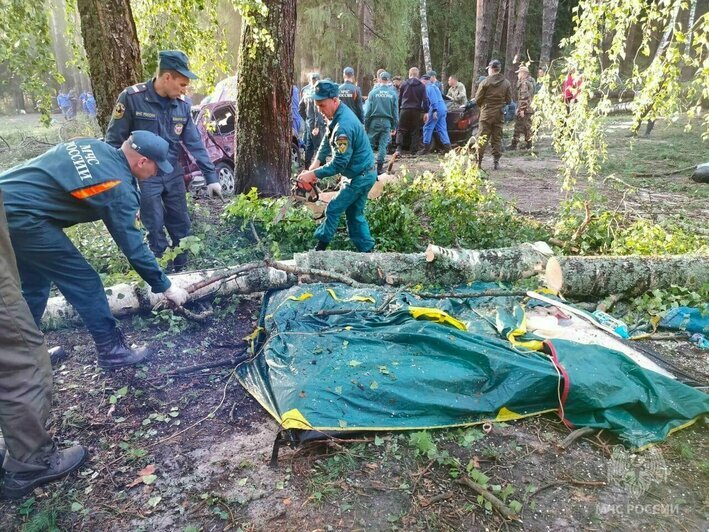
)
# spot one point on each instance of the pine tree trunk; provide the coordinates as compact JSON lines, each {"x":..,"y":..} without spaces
{"x":424,"y":36}
{"x":112,"y":50}
{"x":510,"y":37}
{"x":263,"y":129}
{"x":517,"y":41}
{"x":548,"y":22}
{"x":596,"y":277}
{"x":482,"y":36}
{"x":446,"y":47}
{"x":499,"y":26}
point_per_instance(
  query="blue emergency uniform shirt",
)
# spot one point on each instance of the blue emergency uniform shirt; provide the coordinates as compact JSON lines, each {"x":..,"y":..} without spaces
{"x":82,"y":181}
{"x":351,"y":96}
{"x":140,"y":107}
{"x":348,"y":144}
{"x":435,"y":99}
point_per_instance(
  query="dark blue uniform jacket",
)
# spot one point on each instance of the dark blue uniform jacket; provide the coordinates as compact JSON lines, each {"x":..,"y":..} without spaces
{"x":81,"y":181}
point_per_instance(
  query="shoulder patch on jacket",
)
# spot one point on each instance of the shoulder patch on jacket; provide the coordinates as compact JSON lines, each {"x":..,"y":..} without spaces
{"x":342,"y":142}
{"x":138,"y":87}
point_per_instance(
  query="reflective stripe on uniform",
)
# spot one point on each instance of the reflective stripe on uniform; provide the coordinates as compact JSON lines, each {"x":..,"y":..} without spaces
{"x":83,"y":193}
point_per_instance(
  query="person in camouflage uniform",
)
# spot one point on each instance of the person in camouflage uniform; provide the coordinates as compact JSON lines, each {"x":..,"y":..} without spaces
{"x":523,"y":117}
{"x":492,"y":95}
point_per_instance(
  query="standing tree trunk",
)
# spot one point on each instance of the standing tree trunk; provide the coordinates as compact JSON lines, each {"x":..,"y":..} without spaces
{"x":112,"y":50}
{"x":690,"y":26}
{"x":424,"y":37}
{"x":668,"y":31}
{"x":517,"y":41}
{"x":446,"y":46}
{"x":263,"y":129}
{"x":510,"y":37}
{"x":483,"y":20}
{"x":366,"y":24}
{"x":499,"y":26}
{"x":548,"y":23}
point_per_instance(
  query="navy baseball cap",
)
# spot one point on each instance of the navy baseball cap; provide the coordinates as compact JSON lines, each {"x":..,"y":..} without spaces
{"x":325,"y":89}
{"x":151,"y":146}
{"x":175,"y":60}
{"x":385,"y":76}
{"x":314,"y":75}
{"x":426,"y":77}
{"x":348,"y":71}
{"x":431,"y":73}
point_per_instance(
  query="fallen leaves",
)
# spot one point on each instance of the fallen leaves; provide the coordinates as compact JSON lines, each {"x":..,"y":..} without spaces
{"x":145,"y":476}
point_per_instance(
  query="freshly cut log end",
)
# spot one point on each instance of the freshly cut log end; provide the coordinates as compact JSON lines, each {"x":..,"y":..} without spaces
{"x":597,"y":277}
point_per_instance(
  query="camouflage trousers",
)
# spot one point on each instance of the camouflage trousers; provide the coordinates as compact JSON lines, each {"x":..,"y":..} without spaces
{"x":523,"y":126}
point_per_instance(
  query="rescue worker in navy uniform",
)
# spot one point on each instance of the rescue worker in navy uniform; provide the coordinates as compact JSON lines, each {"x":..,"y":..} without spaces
{"x":350,"y":94}
{"x":159,"y":106}
{"x":353,"y":158}
{"x":314,"y":123}
{"x":381,"y":115}
{"x":27,"y":452}
{"x":83,"y":181}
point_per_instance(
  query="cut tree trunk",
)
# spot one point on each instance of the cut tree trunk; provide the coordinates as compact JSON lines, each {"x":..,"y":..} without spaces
{"x":126,"y":299}
{"x":597,"y":277}
{"x":264,"y":89}
{"x":112,"y":50}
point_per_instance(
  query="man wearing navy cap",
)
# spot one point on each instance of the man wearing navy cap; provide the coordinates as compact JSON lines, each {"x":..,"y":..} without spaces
{"x":160,"y":106}
{"x":350,"y":94}
{"x":434,"y":80}
{"x":83,"y":181}
{"x":314,"y":123}
{"x":352,"y":157}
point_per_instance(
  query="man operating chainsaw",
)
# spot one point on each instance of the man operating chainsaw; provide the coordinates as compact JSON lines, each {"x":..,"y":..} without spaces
{"x":353,"y":158}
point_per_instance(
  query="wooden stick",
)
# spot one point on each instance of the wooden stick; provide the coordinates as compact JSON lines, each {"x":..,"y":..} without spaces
{"x":497,"y":504}
{"x":207,"y":365}
{"x":575,"y":435}
{"x":295,"y":270}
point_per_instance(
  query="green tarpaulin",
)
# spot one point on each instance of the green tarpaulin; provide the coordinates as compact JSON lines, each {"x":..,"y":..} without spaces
{"x":332,"y":358}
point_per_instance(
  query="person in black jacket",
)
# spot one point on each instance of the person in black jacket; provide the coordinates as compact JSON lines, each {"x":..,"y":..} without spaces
{"x":413,"y":104}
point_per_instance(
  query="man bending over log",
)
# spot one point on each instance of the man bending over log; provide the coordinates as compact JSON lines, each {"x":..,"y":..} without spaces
{"x":83,"y":181}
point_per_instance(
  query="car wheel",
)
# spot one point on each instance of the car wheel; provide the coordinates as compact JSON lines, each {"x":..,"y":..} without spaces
{"x":225,"y":173}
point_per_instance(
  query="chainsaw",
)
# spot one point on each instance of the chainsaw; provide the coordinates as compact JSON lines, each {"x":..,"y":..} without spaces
{"x":299,"y":193}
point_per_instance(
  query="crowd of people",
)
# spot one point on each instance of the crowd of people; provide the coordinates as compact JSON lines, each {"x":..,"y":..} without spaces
{"x":70,"y":104}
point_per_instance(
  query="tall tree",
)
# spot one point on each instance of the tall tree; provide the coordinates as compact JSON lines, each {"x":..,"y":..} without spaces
{"x":424,"y":36}
{"x":690,"y":26}
{"x":264,"y":87}
{"x":499,"y":26}
{"x":514,"y":49}
{"x":483,"y":27}
{"x":668,"y":31}
{"x":112,"y":49}
{"x":509,"y":39}
{"x":548,"y":23}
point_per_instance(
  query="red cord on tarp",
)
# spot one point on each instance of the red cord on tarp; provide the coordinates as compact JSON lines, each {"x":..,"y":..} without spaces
{"x":565,"y":377}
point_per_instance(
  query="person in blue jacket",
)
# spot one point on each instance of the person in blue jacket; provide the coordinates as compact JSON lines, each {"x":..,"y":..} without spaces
{"x":90,"y":104}
{"x":352,"y":157}
{"x":314,"y":123}
{"x":435,"y":119}
{"x":83,"y":181}
{"x":296,"y":121}
{"x":64,"y":104}
{"x":160,"y":106}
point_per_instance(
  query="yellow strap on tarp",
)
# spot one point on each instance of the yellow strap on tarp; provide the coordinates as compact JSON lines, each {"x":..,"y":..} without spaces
{"x":293,"y":419}
{"x":359,"y":299}
{"x":437,"y":315}
{"x":521,"y":330}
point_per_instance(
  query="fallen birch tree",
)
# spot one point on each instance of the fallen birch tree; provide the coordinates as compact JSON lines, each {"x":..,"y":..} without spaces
{"x":575,"y":277}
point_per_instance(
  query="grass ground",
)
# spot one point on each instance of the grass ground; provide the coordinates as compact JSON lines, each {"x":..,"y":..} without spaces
{"x":191,"y":452}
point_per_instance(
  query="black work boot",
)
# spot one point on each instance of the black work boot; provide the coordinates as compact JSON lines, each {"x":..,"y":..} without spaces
{"x":447,"y":148}
{"x":115,"y":353}
{"x":496,"y":164}
{"x":427,"y":148}
{"x":380,"y":168}
{"x":58,"y":464}
{"x":321,"y":246}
